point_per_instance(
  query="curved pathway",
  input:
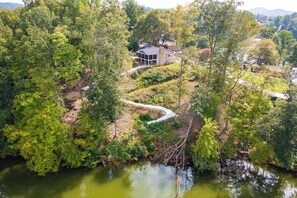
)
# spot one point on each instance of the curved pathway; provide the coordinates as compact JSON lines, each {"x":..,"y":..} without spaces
{"x":168,"y":114}
{"x":271,"y":93}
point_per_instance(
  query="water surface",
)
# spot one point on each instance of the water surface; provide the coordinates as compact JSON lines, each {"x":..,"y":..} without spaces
{"x":145,"y":181}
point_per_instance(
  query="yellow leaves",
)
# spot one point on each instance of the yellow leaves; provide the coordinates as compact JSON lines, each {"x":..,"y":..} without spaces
{"x":25,"y":148}
{"x":81,"y":143}
{"x":207,"y":146}
{"x":13,"y":134}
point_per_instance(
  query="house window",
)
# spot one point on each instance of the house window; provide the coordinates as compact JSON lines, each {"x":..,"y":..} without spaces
{"x":155,"y":56}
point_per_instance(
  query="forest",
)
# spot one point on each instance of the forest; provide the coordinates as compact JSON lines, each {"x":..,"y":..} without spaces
{"x":220,"y":86}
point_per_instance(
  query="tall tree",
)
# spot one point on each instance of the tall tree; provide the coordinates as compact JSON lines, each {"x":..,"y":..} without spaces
{"x":225,"y":29}
{"x":268,"y":32}
{"x":152,"y":26}
{"x":181,"y":30}
{"x":265,"y":52}
{"x":133,"y":11}
{"x":293,"y":58}
{"x":285,"y":42}
{"x":110,"y":50}
{"x":279,"y":129}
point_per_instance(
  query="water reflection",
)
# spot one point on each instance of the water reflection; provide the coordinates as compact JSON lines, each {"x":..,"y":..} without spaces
{"x":160,"y":181}
{"x":246,"y":180}
{"x":239,"y":179}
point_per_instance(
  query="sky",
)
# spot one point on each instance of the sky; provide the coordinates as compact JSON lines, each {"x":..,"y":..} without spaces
{"x":290,"y":5}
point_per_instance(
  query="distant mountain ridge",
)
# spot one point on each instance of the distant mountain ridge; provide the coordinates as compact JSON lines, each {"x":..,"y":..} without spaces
{"x":267,"y":12}
{"x":10,"y":6}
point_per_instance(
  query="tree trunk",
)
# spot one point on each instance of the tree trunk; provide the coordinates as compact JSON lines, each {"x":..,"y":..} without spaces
{"x":180,"y":82}
{"x":115,"y":130}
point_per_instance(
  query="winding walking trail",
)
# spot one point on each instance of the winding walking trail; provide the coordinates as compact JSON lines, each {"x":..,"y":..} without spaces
{"x":168,"y":114}
{"x":270,"y":93}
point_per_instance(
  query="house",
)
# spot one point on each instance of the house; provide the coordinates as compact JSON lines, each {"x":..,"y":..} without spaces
{"x":150,"y":55}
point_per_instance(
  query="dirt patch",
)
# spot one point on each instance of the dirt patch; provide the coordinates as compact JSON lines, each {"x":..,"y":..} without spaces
{"x":73,"y":99}
{"x":125,"y":123}
{"x":185,"y":122}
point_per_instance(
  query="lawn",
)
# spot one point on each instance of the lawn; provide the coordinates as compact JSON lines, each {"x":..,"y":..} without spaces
{"x":266,"y":80}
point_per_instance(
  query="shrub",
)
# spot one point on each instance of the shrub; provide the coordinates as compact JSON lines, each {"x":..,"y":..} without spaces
{"x":116,"y":152}
{"x":205,"y":153}
{"x":155,"y":76}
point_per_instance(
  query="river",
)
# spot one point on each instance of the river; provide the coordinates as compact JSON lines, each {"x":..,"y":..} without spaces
{"x":146,"y":180}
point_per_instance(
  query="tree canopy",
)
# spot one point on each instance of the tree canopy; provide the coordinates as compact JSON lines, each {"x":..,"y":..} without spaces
{"x":152,"y":27}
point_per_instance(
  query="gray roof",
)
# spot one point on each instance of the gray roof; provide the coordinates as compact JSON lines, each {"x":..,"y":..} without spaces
{"x":149,"y":50}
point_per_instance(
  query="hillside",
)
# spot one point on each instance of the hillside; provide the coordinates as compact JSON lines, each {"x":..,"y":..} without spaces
{"x":267,"y":12}
{"x":10,"y":6}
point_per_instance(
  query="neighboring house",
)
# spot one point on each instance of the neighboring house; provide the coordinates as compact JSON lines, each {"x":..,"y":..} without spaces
{"x":151,"y":55}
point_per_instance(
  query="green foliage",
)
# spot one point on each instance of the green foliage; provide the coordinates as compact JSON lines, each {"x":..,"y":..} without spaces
{"x":225,"y":30}
{"x":133,"y":43}
{"x":293,"y":57}
{"x":90,"y":136}
{"x":280,"y":133}
{"x":204,"y":103}
{"x":267,"y":80}
{"x":116,"y":152}
{"x":265,"y":52}
{"x":203,"y":43}
{"x":285,"y":42}
{"x":248,"y":107}
{"x":176,"y":124}
{"x":43,"y":50}
{"x":159,"y":132}
{"x":66,"y":56}
{"x":104,"y":101}
{"x":287,"y":22}
{"x":164,"y":94}
{"x":110,"y":49}
{"x":205,"y":152}
{"x":38,"y":17}
{"x":133,"y":11}
{"x":261,"y":152}
{"x":38,"y":134}
{"x":157,"y":75}
{"x":181,"y":27}
{"x":268,"y":32}
{"x":164,"y":133}
{"x":152,"y":26}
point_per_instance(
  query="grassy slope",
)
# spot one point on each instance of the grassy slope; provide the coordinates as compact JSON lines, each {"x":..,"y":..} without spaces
{"x":266,"y":80}
{"x":157,"y":86}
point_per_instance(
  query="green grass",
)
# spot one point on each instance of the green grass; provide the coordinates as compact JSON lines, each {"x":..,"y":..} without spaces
{"x":157,"y":75}
{"x":164,"y":94}
{"x":266,"y":80}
